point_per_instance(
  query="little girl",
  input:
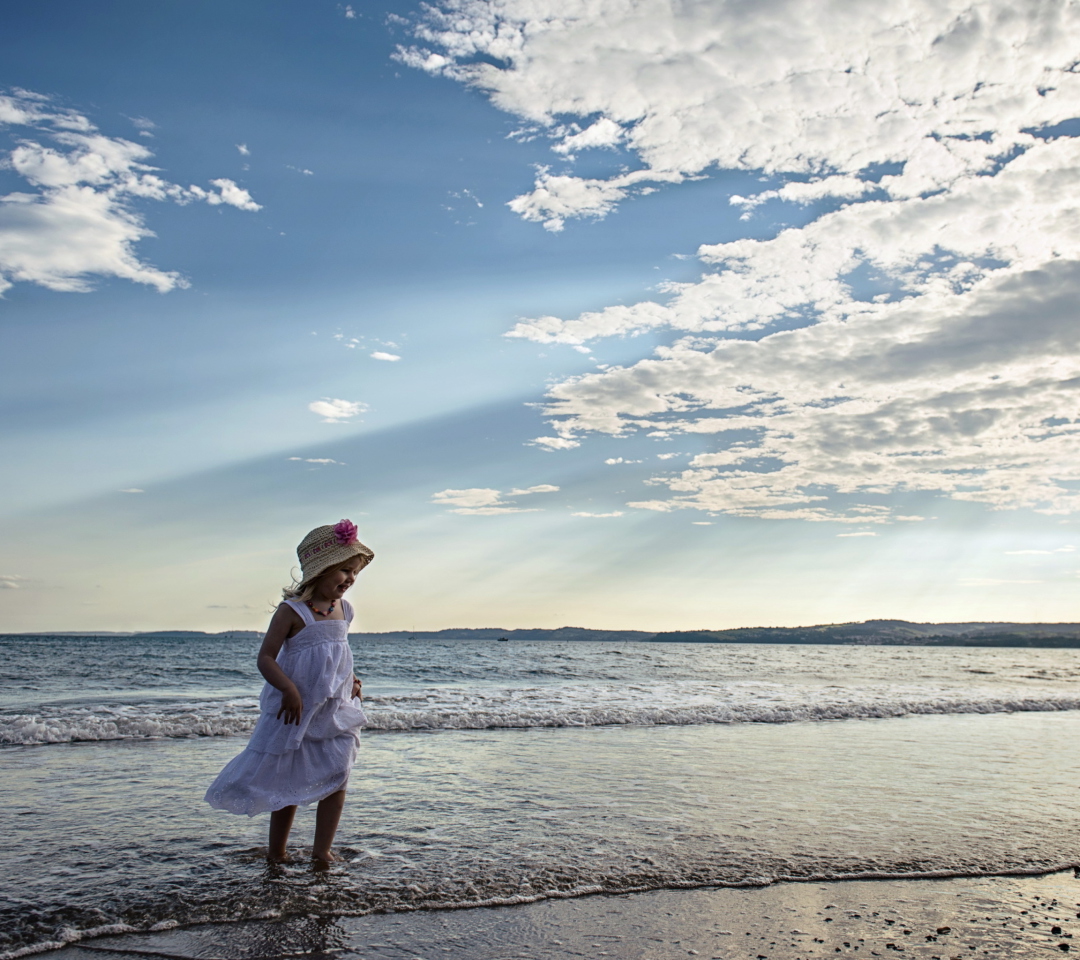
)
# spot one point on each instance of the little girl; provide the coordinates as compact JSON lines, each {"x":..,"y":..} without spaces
{"x":305,"y":741}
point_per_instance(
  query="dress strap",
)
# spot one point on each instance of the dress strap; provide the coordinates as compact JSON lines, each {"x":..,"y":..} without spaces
{"x":347,"y":609}
{"x":301,"y":608}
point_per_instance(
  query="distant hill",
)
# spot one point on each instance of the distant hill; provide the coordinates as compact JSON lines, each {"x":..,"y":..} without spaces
{"x":496,"y":633}
{"x":896,"y":632}
{"x":889,"y":632}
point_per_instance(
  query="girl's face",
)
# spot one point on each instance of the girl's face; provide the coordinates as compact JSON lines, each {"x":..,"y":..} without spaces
{"x":336,"y":582}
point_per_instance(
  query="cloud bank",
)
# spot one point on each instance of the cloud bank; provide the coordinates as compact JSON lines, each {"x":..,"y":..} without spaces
{"x":77,"y":219}
{"x":918,"y":334}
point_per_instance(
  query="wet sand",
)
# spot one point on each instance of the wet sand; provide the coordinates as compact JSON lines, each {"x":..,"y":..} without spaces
{"x":934,"y":919}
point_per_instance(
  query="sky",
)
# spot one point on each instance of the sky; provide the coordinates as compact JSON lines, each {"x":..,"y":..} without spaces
{"x":627,"y":314}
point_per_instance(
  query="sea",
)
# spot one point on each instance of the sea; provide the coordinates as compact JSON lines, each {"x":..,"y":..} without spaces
{"x":504,"y":773}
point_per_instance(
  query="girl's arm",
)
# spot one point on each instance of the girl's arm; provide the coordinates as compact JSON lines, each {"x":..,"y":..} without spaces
{"x":281,"y":626}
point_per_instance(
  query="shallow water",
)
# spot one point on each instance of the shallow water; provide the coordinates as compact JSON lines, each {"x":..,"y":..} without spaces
{"x":107,"y":832}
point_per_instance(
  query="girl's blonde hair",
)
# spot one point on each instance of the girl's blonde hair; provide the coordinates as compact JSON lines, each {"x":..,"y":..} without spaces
{"x":303,"y":592}
{"x":299,"y":591}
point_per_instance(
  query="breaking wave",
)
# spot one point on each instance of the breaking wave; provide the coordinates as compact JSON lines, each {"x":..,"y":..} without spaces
{"x":590,"y":705}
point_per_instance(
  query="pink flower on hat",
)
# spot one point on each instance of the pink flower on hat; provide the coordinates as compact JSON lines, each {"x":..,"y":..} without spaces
{"x":345,"y":532}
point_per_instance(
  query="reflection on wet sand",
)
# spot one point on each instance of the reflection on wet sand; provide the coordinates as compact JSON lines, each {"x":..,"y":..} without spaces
{"x":926,"y":919}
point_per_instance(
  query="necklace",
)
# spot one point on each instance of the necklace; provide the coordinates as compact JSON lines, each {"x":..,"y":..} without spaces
{"x":311,"y":606}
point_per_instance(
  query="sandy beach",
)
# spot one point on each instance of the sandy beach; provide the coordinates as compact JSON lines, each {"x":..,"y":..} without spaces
{"x":932,"y":919}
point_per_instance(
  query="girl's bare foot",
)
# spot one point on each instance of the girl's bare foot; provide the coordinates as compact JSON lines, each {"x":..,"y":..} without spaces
{"x":323,"y":858}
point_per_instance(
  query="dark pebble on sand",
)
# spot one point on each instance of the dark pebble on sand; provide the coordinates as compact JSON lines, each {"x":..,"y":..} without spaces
{"x":944,"y":929}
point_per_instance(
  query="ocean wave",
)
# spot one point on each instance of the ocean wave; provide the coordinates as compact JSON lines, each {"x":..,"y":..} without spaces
{"x":616,"y":714}
{"x":128,"y":722}
{"x":565,"y":706}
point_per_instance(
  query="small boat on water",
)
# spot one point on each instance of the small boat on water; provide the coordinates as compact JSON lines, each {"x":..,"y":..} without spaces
{"x":504,"y":640}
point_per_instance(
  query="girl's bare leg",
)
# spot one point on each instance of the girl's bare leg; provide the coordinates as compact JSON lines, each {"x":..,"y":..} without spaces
{"x":280,"y":825}
{"x":327,"y":817}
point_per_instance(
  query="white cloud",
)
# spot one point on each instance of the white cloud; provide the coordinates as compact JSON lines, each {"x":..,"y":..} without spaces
{"x":350,"y":13}
{"x":783,"y":87}
{"x":1022,"y":553}
{"x":228,"y":193}
{"x":990,"y":582}
{"x":132,"y":490}
{"x":243,"y":148}
{"x":10,"y":581}
{"x":936,"y":348}
{"x":380,"y":355}
{"x":322,"y":460}
{"x":144,"y":125}
{"x":858,"y":533}
{"x":556,"y":443}
{"x":337,"y":411}
{"x":486,"y":501}
{"x":585,"y":513}
{"x":603,"y":133}
{"x":466,"y":195}
{"x":78,"y":220}
{"x":557,"y":197}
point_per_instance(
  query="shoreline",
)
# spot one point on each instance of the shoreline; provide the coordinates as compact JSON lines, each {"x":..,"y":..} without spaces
{"x":1021,"y":914}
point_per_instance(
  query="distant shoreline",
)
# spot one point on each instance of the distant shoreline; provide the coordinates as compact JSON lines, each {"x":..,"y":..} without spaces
{"x":865,"y":633}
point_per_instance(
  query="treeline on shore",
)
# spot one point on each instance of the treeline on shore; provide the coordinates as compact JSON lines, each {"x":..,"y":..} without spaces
{"x":876,"y":632}
{"x":895,"y":632}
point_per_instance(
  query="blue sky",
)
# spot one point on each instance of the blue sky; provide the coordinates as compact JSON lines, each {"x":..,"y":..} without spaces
{"x":630,"y":314}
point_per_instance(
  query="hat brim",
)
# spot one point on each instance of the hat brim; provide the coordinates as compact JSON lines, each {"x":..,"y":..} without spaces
{"x":334,"y":557}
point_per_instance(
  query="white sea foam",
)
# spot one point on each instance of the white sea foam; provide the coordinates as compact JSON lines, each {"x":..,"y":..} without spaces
{"x":138,"y":721}
{"x":488,"y":716}
{"x":561,"y":705}
{"x":69,"y":936}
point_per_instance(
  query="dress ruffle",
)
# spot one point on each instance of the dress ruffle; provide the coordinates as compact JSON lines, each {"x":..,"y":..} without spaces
{"x":297,"y":764}
{"x":255,"y":782}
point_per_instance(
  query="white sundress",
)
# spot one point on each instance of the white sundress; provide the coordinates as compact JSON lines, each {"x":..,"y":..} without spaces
{"x":286,"y":764}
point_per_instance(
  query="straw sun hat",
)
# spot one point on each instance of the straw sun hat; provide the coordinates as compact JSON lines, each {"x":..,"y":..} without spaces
{"x":326,"y":547}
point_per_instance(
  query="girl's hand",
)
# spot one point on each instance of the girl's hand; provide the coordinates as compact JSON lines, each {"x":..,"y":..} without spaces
{"x":292,"y":706}
{"x":356,"y":688}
